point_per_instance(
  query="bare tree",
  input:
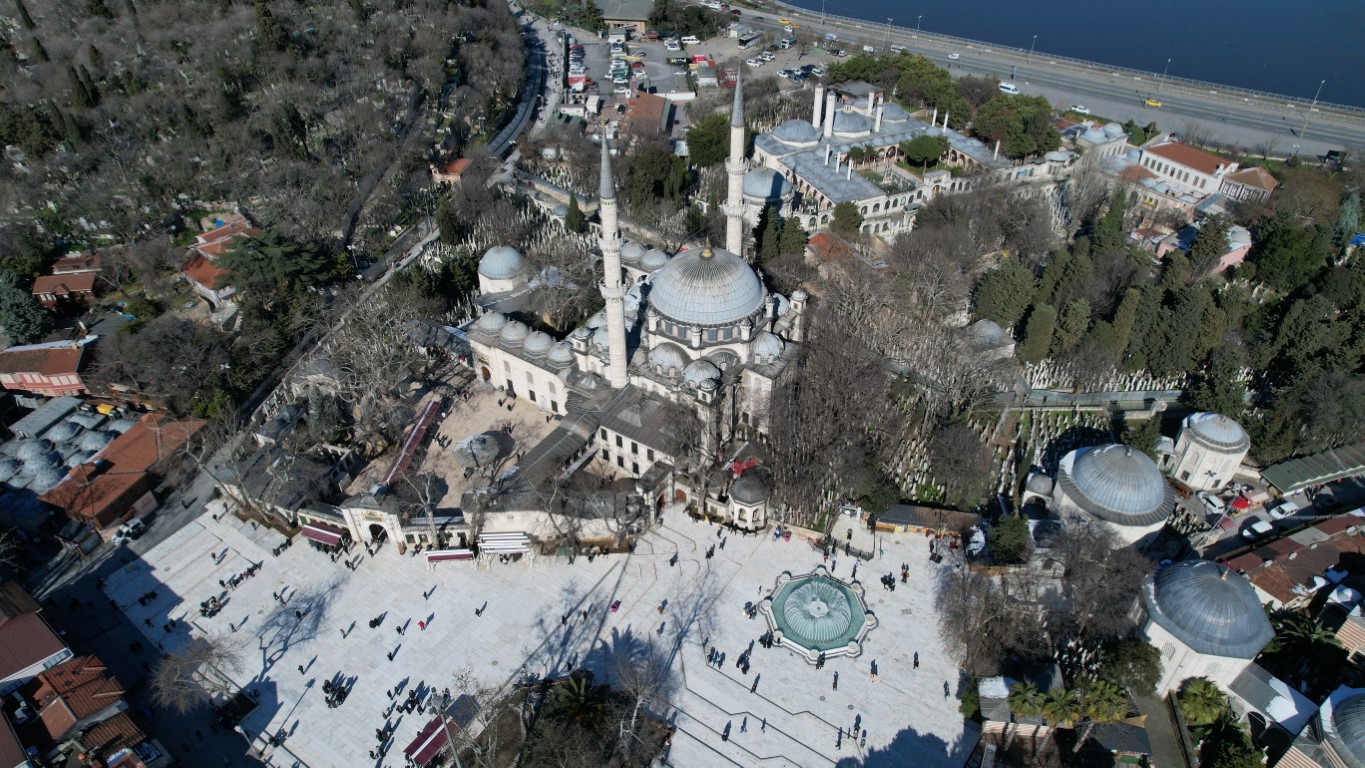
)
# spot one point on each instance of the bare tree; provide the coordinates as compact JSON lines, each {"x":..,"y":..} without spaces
{"x":200,"y":673}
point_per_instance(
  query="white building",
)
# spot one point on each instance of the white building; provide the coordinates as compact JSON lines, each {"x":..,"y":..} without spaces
{"x":1112,"y":485}
{"x":1186,"y":169}
{"x":1206,"y":620}
{"x":1208,"y":451}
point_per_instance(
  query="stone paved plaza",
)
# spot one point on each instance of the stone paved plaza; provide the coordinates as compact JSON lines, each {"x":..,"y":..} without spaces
{"x":793,"y":714}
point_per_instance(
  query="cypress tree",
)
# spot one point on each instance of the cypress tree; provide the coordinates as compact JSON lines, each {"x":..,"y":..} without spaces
{"x":573,"y":220}
{"x":1124,"y":317}
{"x":24,"y":18}
{"x":1038,"y":333}
{"x":80,"y":96}
{"x":40,"y":50}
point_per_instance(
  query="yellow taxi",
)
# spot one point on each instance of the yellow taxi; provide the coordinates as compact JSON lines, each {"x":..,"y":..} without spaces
{"x":784,"y":22}
{"x":1153,"y":103}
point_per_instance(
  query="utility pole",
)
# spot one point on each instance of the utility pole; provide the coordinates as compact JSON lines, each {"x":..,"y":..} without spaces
{"x":1163,"y":75}
{"x":1030,"y":49}
{"x":918,"y":19}
{"x":887,"y":41}
{"x":822,"y":14}
{"x":1303,"y":130}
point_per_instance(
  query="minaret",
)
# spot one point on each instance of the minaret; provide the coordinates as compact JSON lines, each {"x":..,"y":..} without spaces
{"x":735,"y":167}
{"x":612,"y":291}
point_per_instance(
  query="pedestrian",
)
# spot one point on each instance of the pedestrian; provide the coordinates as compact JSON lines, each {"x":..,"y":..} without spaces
{"x":298,"y":615}
{"x":422,"y":625}
{"x":725,"y":734}
{"x":744,"y":725}
{"x":564,"y":620}
{"x":916,"y":659}
{"x":753,"y":688}
{"x":763,"y":726}
{"x":232,"y":627}
{"x":148,"y":622}
{"x":946,"y":690}
{"x":300,"y":669}
{"x":836,"y":681}
{"x":390,"y":655}
{"x":343,"y":633}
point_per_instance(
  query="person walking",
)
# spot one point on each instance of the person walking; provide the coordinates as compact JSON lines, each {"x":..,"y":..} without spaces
{"x":422,"y":625}
{"x":763,"y":726}
{"x":744,"y":725}
{"x":301,"y":669}
{"x":916,"y":659}
{"x":946,"y":690}
{"x":754,"y":688}
{"x":725,"y":734}
{"x":836,"y":681}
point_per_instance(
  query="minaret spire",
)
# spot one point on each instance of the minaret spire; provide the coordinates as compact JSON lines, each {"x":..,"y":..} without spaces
{"x":735,"y":167}
{"x":612,"y":290}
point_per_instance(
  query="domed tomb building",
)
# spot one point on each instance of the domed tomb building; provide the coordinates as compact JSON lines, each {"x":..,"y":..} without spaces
{"x":698,"y":329}
{"x":1206,"y":620}
{"x":1113,"y":485}
{"x":1334,"y":737}
{"x":1208,"y":451}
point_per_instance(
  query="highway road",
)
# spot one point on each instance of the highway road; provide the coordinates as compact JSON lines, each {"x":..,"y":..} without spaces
{"x":1225,"y":115}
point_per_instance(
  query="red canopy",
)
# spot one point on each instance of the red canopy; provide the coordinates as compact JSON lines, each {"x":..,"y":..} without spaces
{"x":428,"y":743}
{"x":323,"y":533}
{"x":1240,"y":502}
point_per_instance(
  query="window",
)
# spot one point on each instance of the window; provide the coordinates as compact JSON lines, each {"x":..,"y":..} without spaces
{"x":506,"y":367}
{"x":531,"y":393}
{"x":606,"y":455}
{"x":634,"y":468}
{"x":510,"y":387}
{"x":554,"y":406}
{"x":649,"y":454}
{"x":1185,"y":475}
{"x":634,"y":447}
{"x":604,"y":433}
{"x":621,"y":462}
{"x":619,"y":444}
{"x":528,"y":378}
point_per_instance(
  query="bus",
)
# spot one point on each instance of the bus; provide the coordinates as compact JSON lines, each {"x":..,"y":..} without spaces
{"x":750,"y":40}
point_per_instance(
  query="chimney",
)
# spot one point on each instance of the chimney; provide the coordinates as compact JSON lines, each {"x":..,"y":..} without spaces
{"x":933,"y":121}
{"x":945,"y":121}
{"x":849,"y":175}
{"x":818,"y":116}
{"x":996,"y":154}
{"x":829,"y":115}
{"x":877,"y":123}
{"x":828,"y":151}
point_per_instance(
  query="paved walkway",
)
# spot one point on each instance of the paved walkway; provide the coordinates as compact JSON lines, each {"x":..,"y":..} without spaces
{"x":546,"y":617}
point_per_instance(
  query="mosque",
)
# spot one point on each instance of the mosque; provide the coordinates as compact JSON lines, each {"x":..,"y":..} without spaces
{"x":697,"y":331}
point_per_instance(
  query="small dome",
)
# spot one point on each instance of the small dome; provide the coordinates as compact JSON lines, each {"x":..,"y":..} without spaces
{"x":654,"y":258}
{"x":986,"y":333}
{"x":668,"y":357}
{"x":632,"y":251}
{"x":749,"y":489}
{"x":46,"y":480}
{"x":502,"y":262}
{"x":796,"y":132}
{"x":1039,"y":483}
{"x":36,"y":464}
{"x":766,"y":347}
{"x":1208,"y":608}
{"x":561,"y":353}
{"x":1094,"y":136}
{"x":80,"y":457}
{"x":1117,"y":484}
{"x":122,"y":425}
{"x":492,"y":322}
{"x":894,"y":113}
{"x":94,"y":441}
{"x":601,"y":339}
{"x":9,"y":468}
{"x":559,"y":211}
{"x":581,"y":332}
{"x":1113,"y":130}
{"x":1216,"y":431}
{"x":850,"y":122}
{"x":764,"y":184}
{"x":700,"y":371}
{"x":723,"y":359}
{"x":514,"y":332}
{"x":598,"y":320}
{"x":706,"y":286}
{"x":799,"y":295}
{"x":783,"y":305}
{"x":1057,"y":156}
{"x":33,"y":449}
{"x":538,"y":343}
{"x":1346,"y":730}
{"x":63,"y":432}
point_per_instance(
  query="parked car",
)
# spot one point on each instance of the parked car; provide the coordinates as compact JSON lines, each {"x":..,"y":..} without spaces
{"x":755,"y":62}
{"x":672,"y":45}
{"x":1212,"y":503}
{"x":1153,"y":103}
{"x":869,"y":49}
{"x":1258,"y":530}
{"x":954,"y":56}
{"x":1283,"y":509}
{"x":130,"y":531}
{"x":736,"y":12}
{"x":818,"y":71}
{"x":650,"y":36}
{"x":767,"y":55}
{"x":1080,"y":109}
{"x":691,"y":40}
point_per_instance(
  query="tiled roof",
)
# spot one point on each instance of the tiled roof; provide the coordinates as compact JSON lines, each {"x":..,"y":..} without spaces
{"x":49,"y":361}
{"x":1135,"y":173}
{"x":204,"y":272}
{"x":80,"y":282}
{"x":113,"y":734}
{"x":1255,"y":177}
{"x":24,"y":641}
{"x":15,"y":601}
{"x":1189,"y":157}
{"x":70,"y":692}
{"x":11,"y":751}
{"x":1278,"y":571}
{"x":81,"y":262}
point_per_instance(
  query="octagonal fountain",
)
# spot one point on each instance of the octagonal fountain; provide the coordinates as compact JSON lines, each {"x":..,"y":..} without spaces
{"x":816,"y":613}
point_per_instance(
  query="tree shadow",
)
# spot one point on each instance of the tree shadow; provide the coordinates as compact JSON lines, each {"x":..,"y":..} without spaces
{"x":1079,"y":436}
{"x":910,"y":747}
{"x":300,"y":621}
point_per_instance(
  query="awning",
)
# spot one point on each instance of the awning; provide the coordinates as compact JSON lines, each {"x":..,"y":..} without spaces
{"x":504,"y":543}
{"x":442,"y":555}
{"x":1240,"y":503}
{"x":428,"y":743}
{"x":323,"y":533}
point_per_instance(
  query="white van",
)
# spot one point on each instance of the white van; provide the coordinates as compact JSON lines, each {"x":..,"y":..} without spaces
{"x":691,"y":40}
{"x":897,"y":48}
{"x":1009,"y":88}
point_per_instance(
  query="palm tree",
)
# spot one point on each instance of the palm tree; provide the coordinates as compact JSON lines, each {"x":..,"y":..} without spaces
{"x":1026,"y":701}
{"x":1101,"y":702}
{"x":579,"y":700}
{"x":1201,"y":702}
{"x":1061,"y":708}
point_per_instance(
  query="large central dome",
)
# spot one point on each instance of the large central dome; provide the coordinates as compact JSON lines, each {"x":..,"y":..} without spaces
{"x":708,"y":286}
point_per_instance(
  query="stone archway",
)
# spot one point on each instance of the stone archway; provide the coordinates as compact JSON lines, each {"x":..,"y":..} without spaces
{"x":378,"y":532}
{"x":679,"y":495}
{"x":484,"y":371}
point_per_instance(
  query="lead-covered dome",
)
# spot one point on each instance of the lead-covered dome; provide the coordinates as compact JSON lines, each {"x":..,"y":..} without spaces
{"x":538,"y":343}
{"x":1218,"y":432}
{"x":1208,"y":608}
{"x":1345,"y":730}
{"x":894,"y":113}
{"x":749,"y":489}
{"x":766,"y":347}
{"x":491,"y":322}
{"x":796,"y":132}
{"x":514,"y":332}
{"x":764,"y":184}
{"x":654,"y":258}
{"x":699,"y":372}
{"x":707,"y":286}
{"x":1117,"y":484}
{"x":502,"y":262}
{"x":632,"y":252}
{"x":561,"y":353}
{"x":667,"y":358}
{"x":850,"y":122}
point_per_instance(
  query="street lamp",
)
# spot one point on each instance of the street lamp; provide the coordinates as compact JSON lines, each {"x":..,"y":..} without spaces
{"x":917,"y":21}
{"x":1030,"y":49}
{"x":822,"y":13}
{"x":1304,"y":129}
{"x":887,"y":41}
{"x":1163,"y":75}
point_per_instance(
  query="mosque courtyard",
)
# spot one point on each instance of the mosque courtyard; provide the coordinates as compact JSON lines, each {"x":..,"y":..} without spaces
{"x":505,"y":622}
